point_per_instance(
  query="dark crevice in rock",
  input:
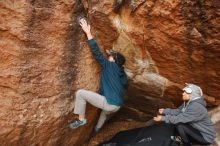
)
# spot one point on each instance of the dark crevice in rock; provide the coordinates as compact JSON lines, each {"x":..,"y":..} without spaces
{"x":68,"y":61}
{"x":117,"y":5}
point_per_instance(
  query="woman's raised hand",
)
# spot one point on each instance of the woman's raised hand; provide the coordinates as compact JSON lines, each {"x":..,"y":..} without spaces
{"x":85,"y":26}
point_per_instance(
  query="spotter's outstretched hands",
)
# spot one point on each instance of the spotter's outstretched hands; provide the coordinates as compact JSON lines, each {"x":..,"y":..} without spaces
{"x":161,"y":111}
{"x":158,"y":118}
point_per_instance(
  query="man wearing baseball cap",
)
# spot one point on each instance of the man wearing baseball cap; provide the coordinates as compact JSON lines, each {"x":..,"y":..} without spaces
{"x":190,"y":119}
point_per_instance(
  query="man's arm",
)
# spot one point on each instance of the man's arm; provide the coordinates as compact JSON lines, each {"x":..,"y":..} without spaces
{"x":92,"y":43}
{"x":193,"y":113}
{"x":174,"y":112}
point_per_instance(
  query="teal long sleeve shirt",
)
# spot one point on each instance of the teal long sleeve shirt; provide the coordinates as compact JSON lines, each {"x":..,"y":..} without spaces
{"x":113,"y":81}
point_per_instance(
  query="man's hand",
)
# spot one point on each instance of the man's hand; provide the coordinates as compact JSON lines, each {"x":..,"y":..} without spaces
{"x":161,"y":111}
{"x":158,"y":118}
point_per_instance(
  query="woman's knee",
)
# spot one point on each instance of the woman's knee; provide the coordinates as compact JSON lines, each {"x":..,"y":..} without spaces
{"x":79,"y":93}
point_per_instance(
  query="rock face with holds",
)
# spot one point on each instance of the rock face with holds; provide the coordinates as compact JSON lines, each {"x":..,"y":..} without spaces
{"x":45,"y":59}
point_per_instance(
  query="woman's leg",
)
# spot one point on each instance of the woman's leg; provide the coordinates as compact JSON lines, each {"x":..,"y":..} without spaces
{"x":190,"y":134}
{"x":101,"y":121}
{"x":107,"y":111}
{"x":82,"y":97}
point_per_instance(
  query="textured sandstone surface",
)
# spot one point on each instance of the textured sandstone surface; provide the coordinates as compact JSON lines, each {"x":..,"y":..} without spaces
{"x":40,"y":68}
{"x":45,"y":59}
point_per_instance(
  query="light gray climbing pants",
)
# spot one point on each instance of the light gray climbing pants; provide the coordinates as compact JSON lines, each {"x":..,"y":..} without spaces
{"x":97,"y":100}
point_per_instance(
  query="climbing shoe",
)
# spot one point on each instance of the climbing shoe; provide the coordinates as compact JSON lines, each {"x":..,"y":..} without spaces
{"x":77,"y":123}
{"x":96,"y":130}
{"x":177,"y":140}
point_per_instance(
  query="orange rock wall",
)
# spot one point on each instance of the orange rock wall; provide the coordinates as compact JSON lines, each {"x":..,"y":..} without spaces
{"x":45,"y":59}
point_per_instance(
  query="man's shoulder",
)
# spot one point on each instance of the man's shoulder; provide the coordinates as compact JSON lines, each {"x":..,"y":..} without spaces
{"x":196,"y":106}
